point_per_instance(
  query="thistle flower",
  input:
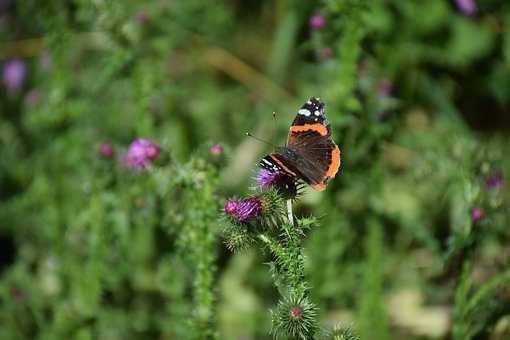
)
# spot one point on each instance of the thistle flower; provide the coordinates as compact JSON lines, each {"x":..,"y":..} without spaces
{"x":249,"y":208}
{"x":14,"y":73}
{"x":216,"y":149}
{"x":317,"y":21}
{"x":493,"y":181}
{"x":342,"y":333}
{"x":476,"y":214}
{"x":467,"y":7}
{"x":140,"y":153}
{"x":296,"y":312}
{"x":106,"y":149}
{"x":294,"y":318}
{"x":266,"y":178}
{"x":230,"y":206}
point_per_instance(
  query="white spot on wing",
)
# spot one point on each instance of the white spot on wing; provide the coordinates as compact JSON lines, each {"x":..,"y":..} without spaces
{"x":317,"y":113}
{"x":304,"y":112}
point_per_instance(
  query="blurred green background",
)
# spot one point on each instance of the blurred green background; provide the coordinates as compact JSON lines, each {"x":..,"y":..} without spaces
{"x":414,"y":235}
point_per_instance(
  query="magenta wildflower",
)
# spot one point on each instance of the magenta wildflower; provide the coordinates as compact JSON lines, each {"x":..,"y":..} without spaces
{"x":14,"y":73}
{"x":230,"y":206}
{"x":216,"y":149}
{"x":266,"y":178}
{"x":106,"y":149}
{"x":317,"y":21}
{"x":494,"y":181}
{"x":476,"y":214}
{"x":248,"y":208}
{"x":296,"y":312}
{"x":467,"y":7}
{"x":327,"y":52}
{"x":140,"y":153}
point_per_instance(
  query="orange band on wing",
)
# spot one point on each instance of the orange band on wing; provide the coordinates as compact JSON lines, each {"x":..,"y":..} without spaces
{"x":314,"y":127}
{"x":280,"y":163}
{"x":319,"y":186}
{"x":335,"y":163}
{"x":332,"y":169}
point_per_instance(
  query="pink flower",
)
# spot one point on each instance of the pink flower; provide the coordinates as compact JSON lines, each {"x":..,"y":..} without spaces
{"x":295,"y":312}
{"x":476,"y":214}
{"x":248,"y":208}
{"x":216,"y":149}
{"x":468,"y":7}
{"x":14,"y":73}
{"x":230,"y":206}
{"x":266,"y":178}
{"x":106,"y":149}
{"x":317,"y":22}
{"x":494,"y":181}
{"x":140,"y":153}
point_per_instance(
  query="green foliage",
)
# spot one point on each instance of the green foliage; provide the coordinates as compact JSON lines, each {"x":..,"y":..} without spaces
{"x":417,"y":93}
{"x":476,"y":309}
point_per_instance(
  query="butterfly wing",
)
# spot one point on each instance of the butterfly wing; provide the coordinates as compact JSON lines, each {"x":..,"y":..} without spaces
{"x":310,"y":149}
{"x":310,"y":152}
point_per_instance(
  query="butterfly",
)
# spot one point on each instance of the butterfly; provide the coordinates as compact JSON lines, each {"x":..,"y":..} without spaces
{"x":310,"y":152}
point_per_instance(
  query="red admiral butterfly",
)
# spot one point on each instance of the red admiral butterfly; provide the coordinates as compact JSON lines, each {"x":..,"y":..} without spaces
{"x":310,"y":153}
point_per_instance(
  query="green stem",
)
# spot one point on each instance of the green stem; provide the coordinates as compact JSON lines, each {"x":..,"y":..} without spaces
{"x":289,"y":212}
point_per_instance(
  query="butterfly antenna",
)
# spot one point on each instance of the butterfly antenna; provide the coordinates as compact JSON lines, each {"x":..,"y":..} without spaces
{"x":259,"y":139}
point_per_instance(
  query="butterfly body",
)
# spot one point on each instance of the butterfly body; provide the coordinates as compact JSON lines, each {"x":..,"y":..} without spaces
{"x":310,"y":152}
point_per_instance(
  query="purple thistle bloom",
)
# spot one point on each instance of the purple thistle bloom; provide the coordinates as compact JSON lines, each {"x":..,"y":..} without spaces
{"x":468,"y":7}
{"x":493,"y":181}
{"x":14,"y":73}
{"x":248,"y":208}
{"x":476,"y":214}
{"x":296,"y":312}
{"x":140,"y":153}
{"x":317,"y":21}
{"x":216,"y":149}
{"x":266,"y":178}
{"x":106,"y":149}
{"x":230,"y":206}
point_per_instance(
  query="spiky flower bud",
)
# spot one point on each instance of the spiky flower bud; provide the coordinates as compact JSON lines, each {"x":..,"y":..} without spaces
{"x":341,"y":333}
{"x":230,"y":206}
{"x":294,"y":318}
